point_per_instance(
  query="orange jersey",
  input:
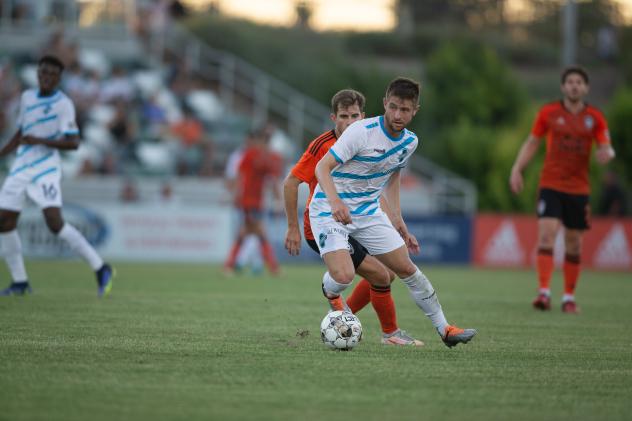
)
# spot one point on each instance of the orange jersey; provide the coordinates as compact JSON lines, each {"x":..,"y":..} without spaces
{"x":256,"y":166}
{"x":305,"y":170}
{"x":569,"y":140}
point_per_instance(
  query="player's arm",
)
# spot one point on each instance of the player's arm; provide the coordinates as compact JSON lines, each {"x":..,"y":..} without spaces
{"x":604,"y":153}
{"x":12,"y":144}
{"x":67,"y":142}
{"x":290,"y":200}
{"x":339,"y":210}
{"x":525,"y":155}
{"x":394,"y":211}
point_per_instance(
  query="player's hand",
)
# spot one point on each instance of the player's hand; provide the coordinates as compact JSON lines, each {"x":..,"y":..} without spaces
{"x":516,"y":182}
{"x":340,"y":212}
{"x":293,"y":241}
{"x":604,"y":154}
{"x":411,"y":243}
{"x":29,"y":140}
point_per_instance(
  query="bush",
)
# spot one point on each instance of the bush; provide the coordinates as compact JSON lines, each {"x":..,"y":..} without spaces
{"x":468,"y":81}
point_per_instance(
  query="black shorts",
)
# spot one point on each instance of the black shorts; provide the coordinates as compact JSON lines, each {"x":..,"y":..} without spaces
{"x":572,"y":209}
{"x":357,"y":250}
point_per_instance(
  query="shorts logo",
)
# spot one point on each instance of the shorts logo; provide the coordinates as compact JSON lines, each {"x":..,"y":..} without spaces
{"x":351,"y":249}
{"x":541,"y":207}
{"x":322,"y":238}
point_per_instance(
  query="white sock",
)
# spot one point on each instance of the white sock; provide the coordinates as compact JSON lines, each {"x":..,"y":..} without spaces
{"x":568,"y":297}
{"x":426,"y":299}
{"x":331,"y":286}
{"x":545,"y":291}
{"x":12,"y":252}
{"x":80,"y":245}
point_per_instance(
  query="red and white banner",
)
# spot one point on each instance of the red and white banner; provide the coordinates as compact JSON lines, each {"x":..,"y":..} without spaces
{"x":511,"y":241}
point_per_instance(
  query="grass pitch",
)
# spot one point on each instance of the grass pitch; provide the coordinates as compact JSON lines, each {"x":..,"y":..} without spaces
{"x":182,"y":342}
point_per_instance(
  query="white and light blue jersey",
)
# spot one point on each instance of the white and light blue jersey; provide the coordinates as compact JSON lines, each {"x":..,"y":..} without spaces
{"x":50,"y":117}
{"x":367,"y":155}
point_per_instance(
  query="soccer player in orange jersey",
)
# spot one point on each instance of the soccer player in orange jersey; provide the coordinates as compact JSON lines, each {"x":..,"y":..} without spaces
{"x":259,"y":166}
{"x":347,"y":107}
{"x":570,"y":127}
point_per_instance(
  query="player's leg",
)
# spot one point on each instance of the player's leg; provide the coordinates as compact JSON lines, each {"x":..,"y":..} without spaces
{"x":547,"y":232}
{"x":255,"y":225}
{"x":231,"y":259}
{"x":337,"y":303}
{"x":381,"y":299}
{"x":549,"y":211}
{"x":424,"y":295}
{"x":571,"y":268}
{"x":361,"y":294}
{"x":11,"y":247}
{"x":576,"y":219}
{"x":78,"y":243}
{"x":340,"y":272}
{"x":11,"y":201}
{"x":385,"y":243}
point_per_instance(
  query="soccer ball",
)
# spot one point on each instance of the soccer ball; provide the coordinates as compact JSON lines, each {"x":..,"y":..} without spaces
{"x":340,"y":330}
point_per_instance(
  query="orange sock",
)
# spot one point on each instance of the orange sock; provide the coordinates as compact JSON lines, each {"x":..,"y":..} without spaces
{"x":384,"y":306}
{"x":545,"y":267}
{"x":268,"y":256}
{"x":232,"y":256}
{"x":360,"y":297}
{"x":571,"y":273}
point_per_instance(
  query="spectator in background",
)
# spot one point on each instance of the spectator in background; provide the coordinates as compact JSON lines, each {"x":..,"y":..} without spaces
{"x":123,"y":129}
{"x":117,"y":87}
{"x":59,"y":47}
{"x":613,"y":201}
{"x":177,"y":10}
{"x":129,"y":191}
{"x":190,"y":134}
{"x":153,"y":116}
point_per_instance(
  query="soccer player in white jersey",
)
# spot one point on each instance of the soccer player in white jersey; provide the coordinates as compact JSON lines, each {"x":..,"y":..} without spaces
{"x":46,"y":124}
{"x":363,"y":165}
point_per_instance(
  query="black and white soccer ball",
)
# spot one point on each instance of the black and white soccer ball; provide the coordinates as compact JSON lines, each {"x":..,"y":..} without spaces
{"x":341,"y":330}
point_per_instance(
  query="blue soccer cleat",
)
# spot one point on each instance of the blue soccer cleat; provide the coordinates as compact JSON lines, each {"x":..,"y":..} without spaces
{"x":17,"y":288}
{"x":104,"y":280}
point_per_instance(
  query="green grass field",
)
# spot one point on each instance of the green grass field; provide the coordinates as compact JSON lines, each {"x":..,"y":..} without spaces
{"x":181,"y":342}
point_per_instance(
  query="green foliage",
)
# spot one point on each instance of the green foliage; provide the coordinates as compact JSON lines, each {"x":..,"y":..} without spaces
{"x":468,"y":81}
{"x":619,"y":119}
{"x":625,"y":40}
{"x":316,"y":64}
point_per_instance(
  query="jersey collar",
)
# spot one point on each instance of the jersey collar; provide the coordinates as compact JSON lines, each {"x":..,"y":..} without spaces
{"x":387,"y":134}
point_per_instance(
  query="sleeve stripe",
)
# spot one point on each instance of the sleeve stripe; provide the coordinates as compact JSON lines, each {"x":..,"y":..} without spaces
{"x":320,"y":141}
{"x":336,"y":156}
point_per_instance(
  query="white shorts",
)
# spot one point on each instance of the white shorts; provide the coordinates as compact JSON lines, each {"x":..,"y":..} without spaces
{"x":42,"y":188}
{"x":374,"y":232}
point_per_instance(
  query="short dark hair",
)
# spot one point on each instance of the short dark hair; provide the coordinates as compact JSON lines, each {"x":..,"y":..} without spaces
{"x":577,"y":70}
{"x":404,"y":88}
{"x":346,"y":98}
{"x":53,"y":61}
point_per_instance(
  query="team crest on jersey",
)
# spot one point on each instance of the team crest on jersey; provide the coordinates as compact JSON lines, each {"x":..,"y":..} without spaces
{"x":47,"y":109}
{"x":322,"y":239}
{"x":589,"y":122}
{"x":560,"y":121}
